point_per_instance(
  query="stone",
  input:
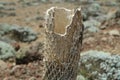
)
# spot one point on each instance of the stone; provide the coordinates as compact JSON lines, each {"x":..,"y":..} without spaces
{"x":80,"y":77}
{"x":89,"y":40}
{"x":32,"y":78}
{"x":3,"y":65}
{"x":114,"y":33}
{"x":6,"y":51}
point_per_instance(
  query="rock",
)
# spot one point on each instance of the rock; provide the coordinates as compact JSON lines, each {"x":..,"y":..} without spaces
{"x":114,"y":33}
{"x":89,"y":40}
{"x":104,"y":39}
{"x":6,"y":51}
{"x":103,"y":27}
{"x":3,"y":65}
{"x":101,"y":65}
{"x":32,"y":78}
{"x":80,"y":77}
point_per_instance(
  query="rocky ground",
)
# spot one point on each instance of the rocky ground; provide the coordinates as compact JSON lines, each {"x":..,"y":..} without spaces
{"x":22,"y":36}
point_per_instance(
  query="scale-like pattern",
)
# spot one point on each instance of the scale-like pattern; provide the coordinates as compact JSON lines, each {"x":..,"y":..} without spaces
{"x":62,"y":51}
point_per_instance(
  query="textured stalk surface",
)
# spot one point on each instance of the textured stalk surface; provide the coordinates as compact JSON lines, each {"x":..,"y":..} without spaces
{"x":64,"y":32}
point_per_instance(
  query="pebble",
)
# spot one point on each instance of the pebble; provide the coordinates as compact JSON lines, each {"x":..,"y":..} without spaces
{"x":114,"y":33}
{"x":3,"y":65}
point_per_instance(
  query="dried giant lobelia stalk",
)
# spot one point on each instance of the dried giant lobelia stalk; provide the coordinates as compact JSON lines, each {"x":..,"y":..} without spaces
{"x":64,"y":32}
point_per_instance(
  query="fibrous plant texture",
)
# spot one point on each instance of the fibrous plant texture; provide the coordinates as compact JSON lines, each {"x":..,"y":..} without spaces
{"x":63,"y":41}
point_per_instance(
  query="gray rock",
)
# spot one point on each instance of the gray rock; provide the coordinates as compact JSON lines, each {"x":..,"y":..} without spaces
{"x":3,"y":65}
{"x":32,"y":78}
{"x":6,"y":50}
{"x":114,"y":33}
